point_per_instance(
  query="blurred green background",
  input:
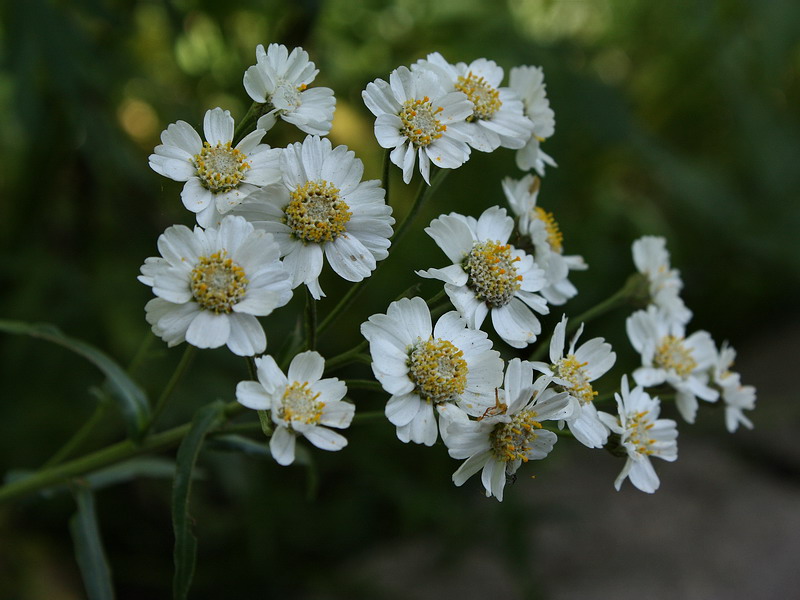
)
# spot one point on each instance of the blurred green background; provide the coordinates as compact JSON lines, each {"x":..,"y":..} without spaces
{"x":672,"y":118}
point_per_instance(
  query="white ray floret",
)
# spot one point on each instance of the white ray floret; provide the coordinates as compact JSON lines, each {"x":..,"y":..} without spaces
{"x":497,"y":118}
{"x":642,"y":435}
{"x":323,"y":208}
{"x":447,"y":369}
{"x":212,"y":284}
{"x":651,"y":258}
{"x":419,"y":120}
{"x":509,"y":433}
{"x":300,"y":403}
{"x":737,"y":397}
{"x":528,"y":83}
{"x":573,"y":371}
{"x":545,"y":235}
{"x":670,"y":357}
{"x":488,"y":275}
{"x":279,"y":80}
{"x":218,"y":175}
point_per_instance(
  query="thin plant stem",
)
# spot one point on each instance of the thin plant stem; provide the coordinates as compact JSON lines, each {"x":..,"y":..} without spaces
{"x":363,"y":384}
{"x":372,"y":415}
{"x":345,"y":358}
{"x":81,"y":435}
{"x":385,"y":174}
{"x":141,"y":352}
{"x":177,"y":374}
{"x":250,"y":117}
{"x":252,"y":370}
{"x":311,"y":321}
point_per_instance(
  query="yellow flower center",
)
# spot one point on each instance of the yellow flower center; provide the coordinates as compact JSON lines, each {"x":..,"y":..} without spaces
{"x":492,"y":275}
{"x":220,"y":168}
{"x":316,"y":213}
{"x":512,"y":441}
{"x":639,"y":427}
{"x":554,"y":236}
{"x":420,"y":124}
{"x":300,"y":404}
{"x":484,"y":97}
{"x":218,"y":283}
{"x":438,"y":370}
{"x":673,"y":354}
{"x":570,"y":370}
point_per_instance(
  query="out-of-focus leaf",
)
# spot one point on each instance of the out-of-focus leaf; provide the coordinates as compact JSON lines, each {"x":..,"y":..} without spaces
{"x":89,"y":547}
{"x":185,"y":553}
{"x":130,"y":397}
{"x":239,"y":443}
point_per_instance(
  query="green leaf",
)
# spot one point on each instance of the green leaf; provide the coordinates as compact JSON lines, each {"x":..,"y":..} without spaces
{"x":185,"y":553}
{"x":239,"y":443}
{"x":130,"y":397}
{"x":89,"y":547}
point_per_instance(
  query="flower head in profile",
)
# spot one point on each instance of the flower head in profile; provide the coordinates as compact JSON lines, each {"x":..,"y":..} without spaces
{"x":737,"y":397}
{"x":419,"y":120}
{"x":528,"y":83}
{"x":322,"y":208}
{"x":545,"y":235}
{"x":212,"y":284}
{"x":510,"y":433}
{"x":497,"y":118}
{"x":218,"y":175}
{"x":573,"y":371}
{"x":447,"y":369}
{"x":670,"y":357}
{"x":488,"y":275}
{"x":642,"y":435}
{"x":279,"y":80}
{"x":651,"y":258}
{"x":300,"y":403}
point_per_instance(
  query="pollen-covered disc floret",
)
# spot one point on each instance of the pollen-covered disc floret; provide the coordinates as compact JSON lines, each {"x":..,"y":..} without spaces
{"x":571,"y":370}
{"x":541,"y":227}
{"x":217,"y":282}
{"x":218,"y":175}
{"x":668,"y":356}
{"x":509,"y":433}
{"x":488,"y":276}
{"x":438,"y":370}
{"x":212,"y":284}
{"x":322,"y":209}
{"x":447,"y":370}
{"x":485,"y":97}
{"x":420,"y":124}
{"x":317,"y":212}
{"x":300,"y":403}
{"x":492,"y":274}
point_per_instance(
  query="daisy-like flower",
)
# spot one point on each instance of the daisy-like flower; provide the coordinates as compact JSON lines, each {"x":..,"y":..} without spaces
{"x":300,"y":403}
{"x":510,"y":433}
{"x":669,"y":357}
{"x":651,"y":258}
{"x":323,"y":208}
{"x":212,"y":284}
{"x":450,"y":368}
{"x":218,"y":175}
{"x":545,"y":235}
{"x":642,"y":435}
{"x":573,"y":371}
{"x":497,"y":117}
{"x":737,"y":397}
{"x":416,"y":117}
{"x":488,"y":275}
{"x":279,"y":80}
{"x":528,"y":83}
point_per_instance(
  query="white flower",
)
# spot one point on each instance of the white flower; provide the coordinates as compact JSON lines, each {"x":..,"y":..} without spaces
{"x":488,"y":275}
{"x":642,"y":435}
{"x":547,"y":239}
{"x":497,"y":113}
{"x":669,"y":357}
{"x":323,"y":208}
{"x":415,"y":116}
{"x":448,"y":367}
{"x":300,"y":403}
{"x":737,"y":397}
{"x":573,"y":371}
{"x":651,"y":258}
{"x":218,"y":175}
{"x":279,"y":80}
{"x":509,"y":433}
{"x":211,"y":284}
{"x":528,"y":83}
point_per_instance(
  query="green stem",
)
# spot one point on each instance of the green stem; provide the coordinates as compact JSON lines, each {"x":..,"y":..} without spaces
{"x":141,"y":352}
{"x":179,"y":372}
{"x":252,"y":370}
{"x":423,"y":193}
{"x":387,"y":164}
{"x":345,"y":358}
{"x":369,"y":416}
{"x":311,"y":321}
{"x":248,"y":120}
{"x":82,"y":434}
{"x":363,"y":384}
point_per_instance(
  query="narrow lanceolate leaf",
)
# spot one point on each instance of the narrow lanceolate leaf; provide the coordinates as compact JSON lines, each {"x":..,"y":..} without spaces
{"x":132,"y":400}
{"x":89,"y":547}
{"x":206,"y":419}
